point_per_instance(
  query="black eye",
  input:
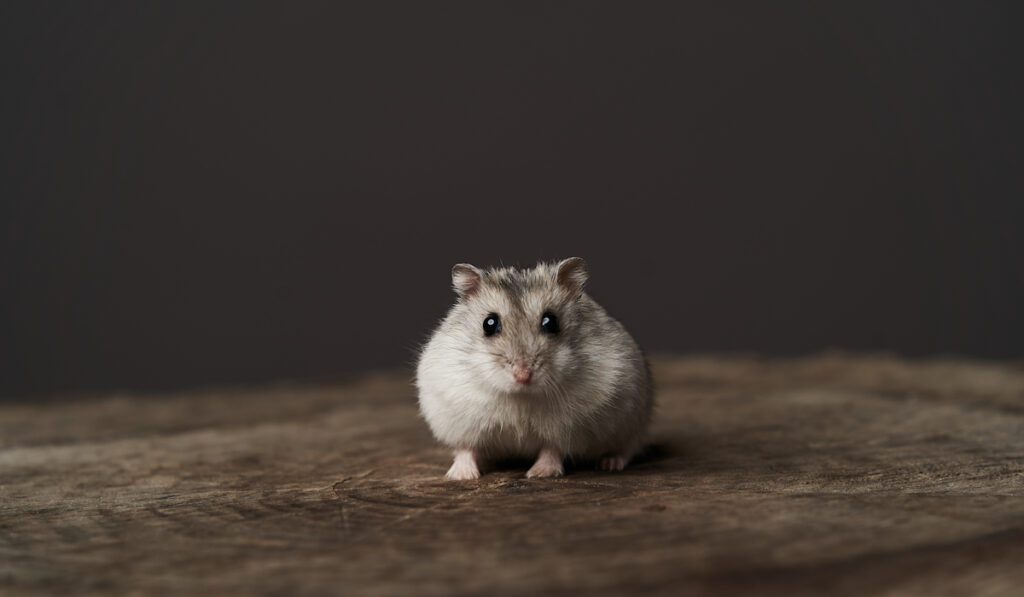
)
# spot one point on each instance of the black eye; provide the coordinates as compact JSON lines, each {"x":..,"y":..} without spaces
{"x":492,"y":324}
{"x":549,"y":323}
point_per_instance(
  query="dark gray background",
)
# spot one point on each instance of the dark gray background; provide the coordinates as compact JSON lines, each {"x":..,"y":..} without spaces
{"x":238,"y":192}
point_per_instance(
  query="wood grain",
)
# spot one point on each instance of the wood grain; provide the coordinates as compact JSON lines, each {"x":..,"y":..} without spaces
{"x":846,"y":474}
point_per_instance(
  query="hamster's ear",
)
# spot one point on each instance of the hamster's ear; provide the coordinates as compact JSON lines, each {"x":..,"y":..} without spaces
{"x":466,"y":279}
{"x":572,"y":274}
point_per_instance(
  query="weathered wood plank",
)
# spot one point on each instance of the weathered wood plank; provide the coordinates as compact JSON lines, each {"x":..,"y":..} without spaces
{"x":848,"y":474}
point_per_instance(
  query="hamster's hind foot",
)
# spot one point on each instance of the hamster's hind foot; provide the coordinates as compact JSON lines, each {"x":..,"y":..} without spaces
{"x":464,"y":468}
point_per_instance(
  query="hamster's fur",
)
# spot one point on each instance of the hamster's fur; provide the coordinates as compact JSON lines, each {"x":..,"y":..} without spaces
{"x":577,"y":386}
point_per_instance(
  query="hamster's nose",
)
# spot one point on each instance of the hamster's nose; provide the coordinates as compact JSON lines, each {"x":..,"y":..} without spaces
{"x":522,"y":371}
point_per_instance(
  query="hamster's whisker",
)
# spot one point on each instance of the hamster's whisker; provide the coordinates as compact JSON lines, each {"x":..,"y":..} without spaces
{"x":560,"y":392}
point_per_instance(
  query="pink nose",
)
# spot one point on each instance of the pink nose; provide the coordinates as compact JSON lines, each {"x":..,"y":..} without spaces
{"x":522,"y":372}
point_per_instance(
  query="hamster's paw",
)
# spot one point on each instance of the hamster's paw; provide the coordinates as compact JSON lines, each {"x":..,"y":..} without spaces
{"x":464,"y":468}
{"x":544,"y":469}
{"x":613,"y":463}
{"x":549,"y":464}
{"x":461,"y":472}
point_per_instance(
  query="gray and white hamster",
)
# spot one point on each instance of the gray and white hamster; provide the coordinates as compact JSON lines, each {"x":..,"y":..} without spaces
{"x":527,"y":364}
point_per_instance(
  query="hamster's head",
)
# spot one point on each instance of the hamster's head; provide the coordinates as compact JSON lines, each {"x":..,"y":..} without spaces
{"x":519,"y":330}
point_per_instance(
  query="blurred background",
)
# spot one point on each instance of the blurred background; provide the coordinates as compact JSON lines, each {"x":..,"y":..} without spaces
{"x":204,"y":193}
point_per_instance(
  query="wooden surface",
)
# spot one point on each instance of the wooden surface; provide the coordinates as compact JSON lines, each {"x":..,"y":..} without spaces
{"x":854,"y":475}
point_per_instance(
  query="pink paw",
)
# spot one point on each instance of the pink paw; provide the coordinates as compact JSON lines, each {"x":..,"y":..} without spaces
{"x":549,"y":464}
{"x":545,"y":469}
{"x":464,"y":468}
{"x":612,"y":463}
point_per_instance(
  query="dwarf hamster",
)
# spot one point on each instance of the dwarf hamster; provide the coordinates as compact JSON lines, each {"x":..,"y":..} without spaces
{"x":526,"y":364}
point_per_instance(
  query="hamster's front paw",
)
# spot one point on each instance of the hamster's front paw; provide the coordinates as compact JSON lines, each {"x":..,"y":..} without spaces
{"x":549,"y":464}
{"x":544,"y":470}
{"x":464,"y":468}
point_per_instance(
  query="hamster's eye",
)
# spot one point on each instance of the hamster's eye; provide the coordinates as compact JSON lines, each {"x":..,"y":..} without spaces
{"x":492,"y":324}
{"x":549,"y":323}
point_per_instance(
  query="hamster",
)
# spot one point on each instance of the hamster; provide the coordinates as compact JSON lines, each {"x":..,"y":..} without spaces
{"x":526,"y":364}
